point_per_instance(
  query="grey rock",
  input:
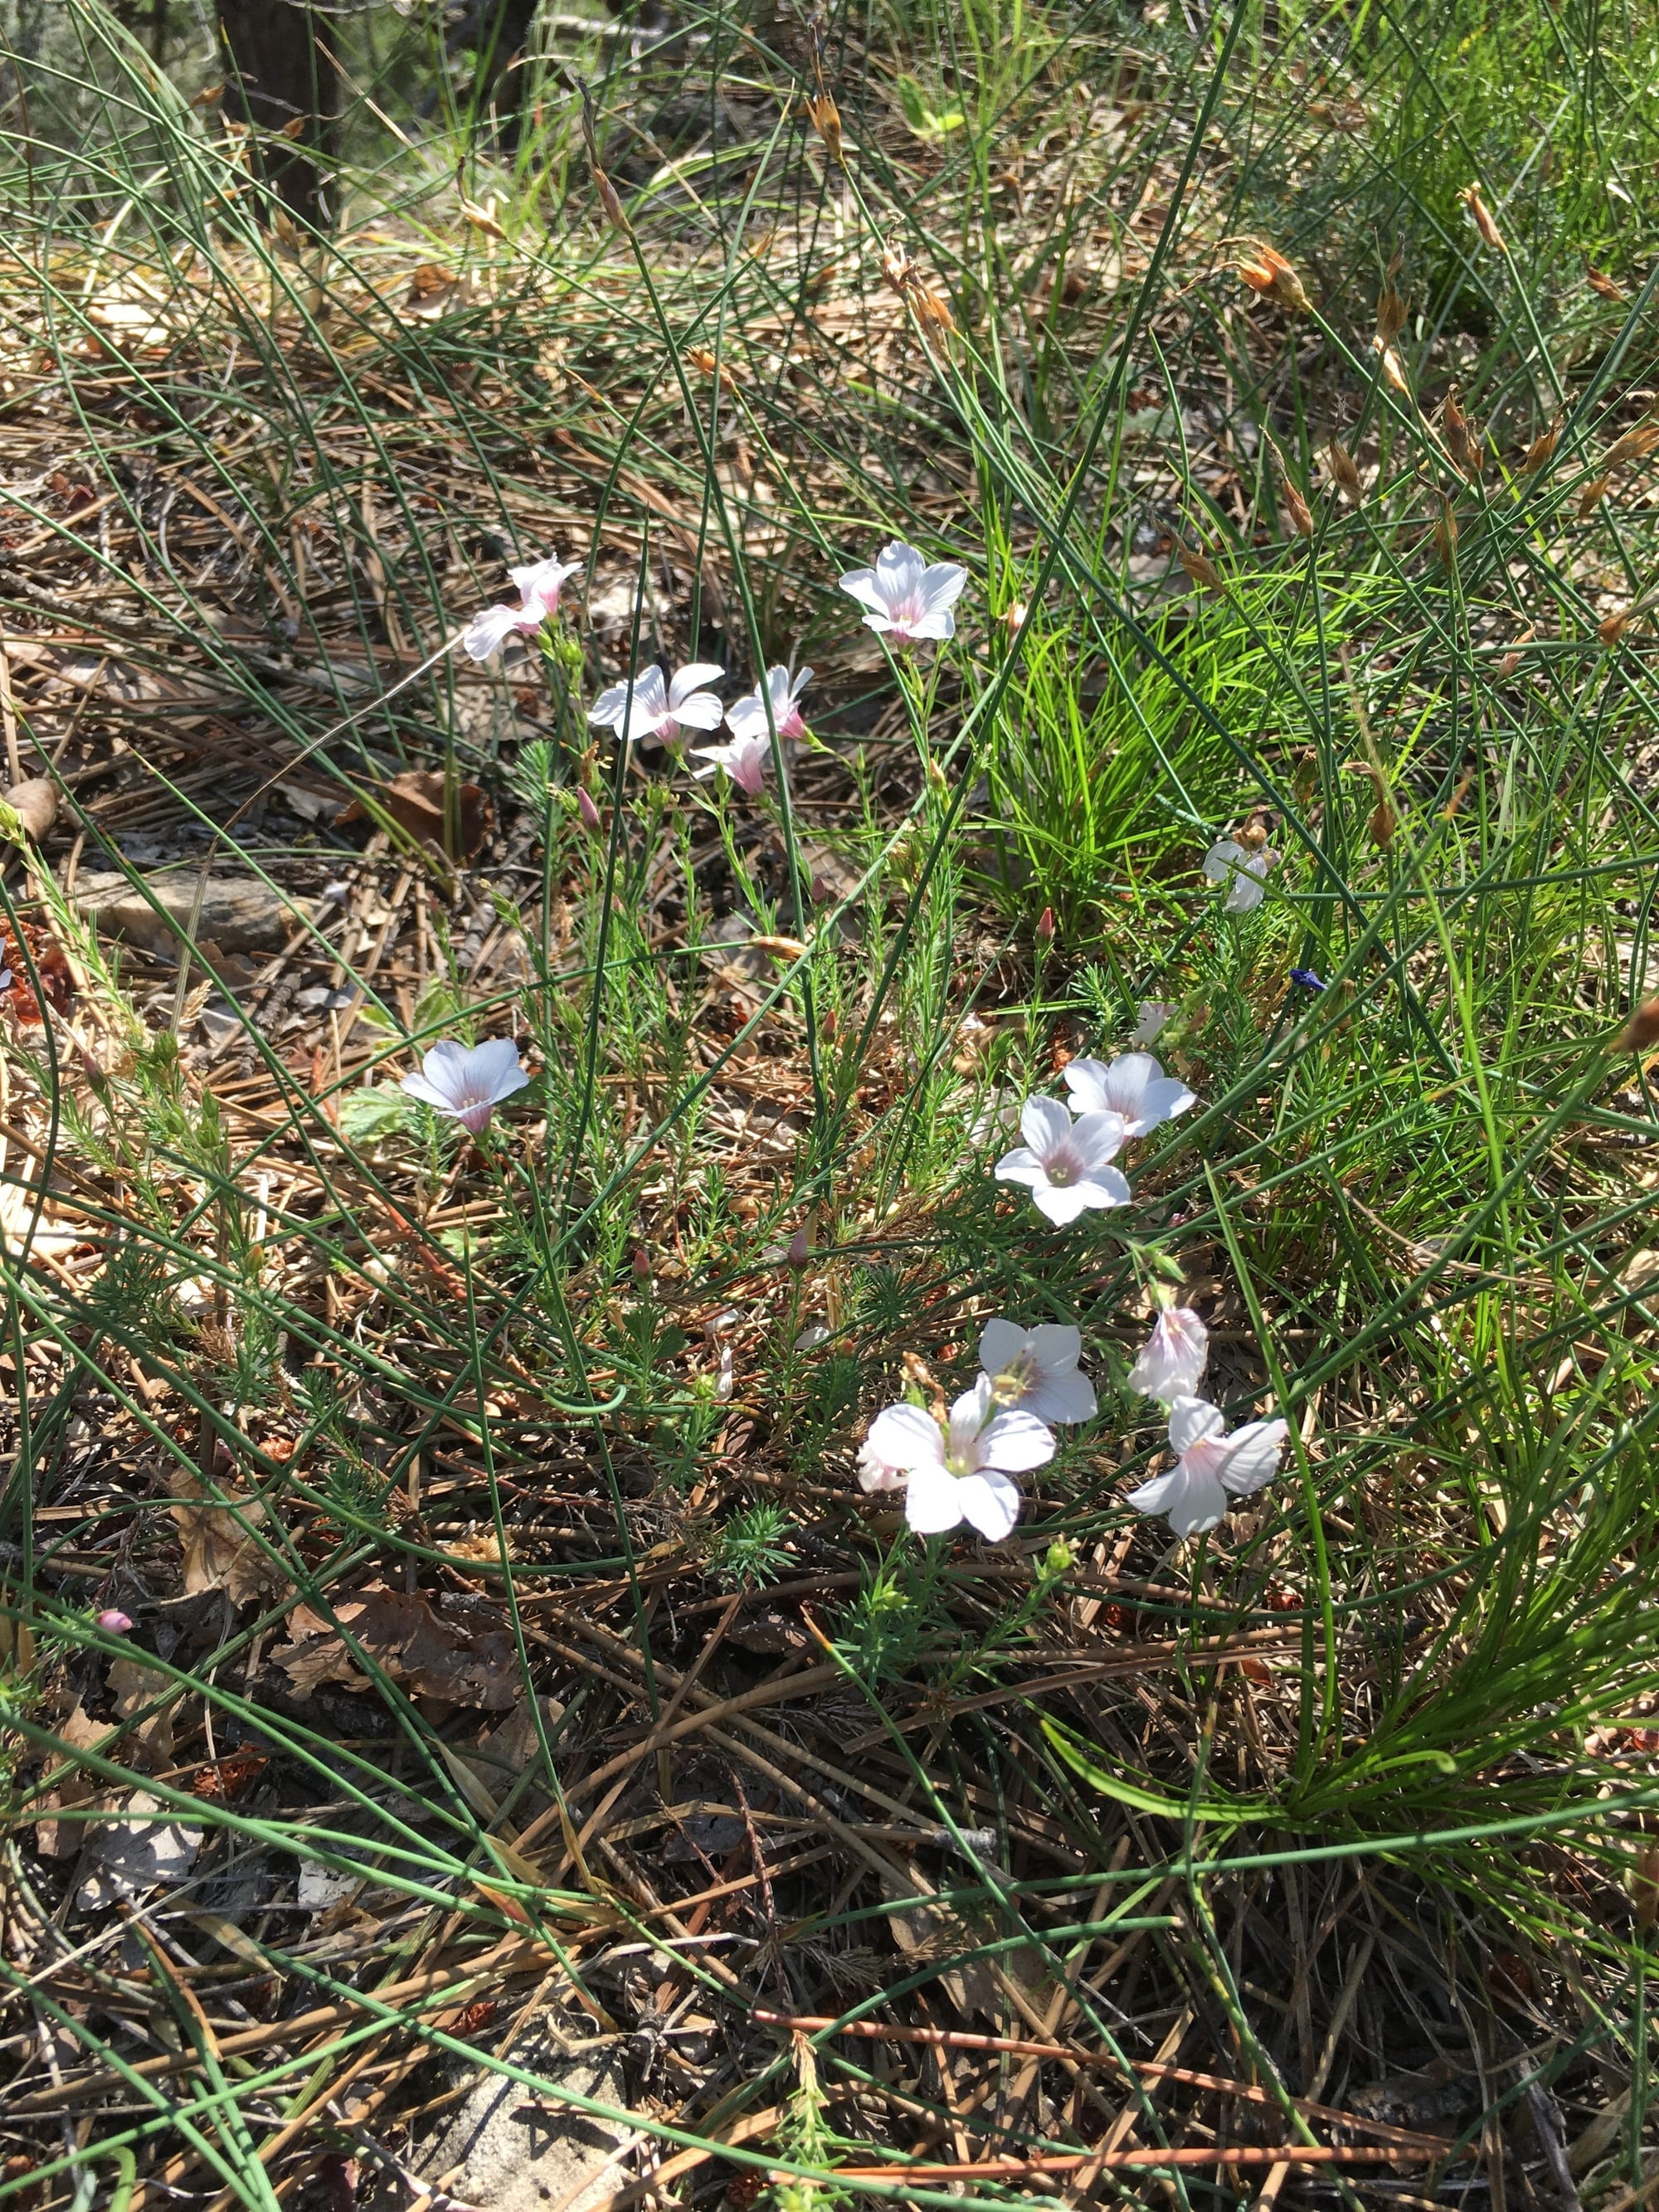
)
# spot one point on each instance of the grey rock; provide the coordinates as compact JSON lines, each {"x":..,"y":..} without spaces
{"x":510,"y":2151}
{"x":239,"y":913}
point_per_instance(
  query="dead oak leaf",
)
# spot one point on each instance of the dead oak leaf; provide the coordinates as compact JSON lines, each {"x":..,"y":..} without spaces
{"x":421,"y":1652}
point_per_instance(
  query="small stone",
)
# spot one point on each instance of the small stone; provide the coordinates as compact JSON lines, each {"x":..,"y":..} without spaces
{"x":239,"y":913}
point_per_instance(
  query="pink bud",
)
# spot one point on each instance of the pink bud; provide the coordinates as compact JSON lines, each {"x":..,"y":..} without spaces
{"x":592,"y":819}
{"x":114,"y":1622}
{"x":796,"y":1257}
{"x":1045,"y":929}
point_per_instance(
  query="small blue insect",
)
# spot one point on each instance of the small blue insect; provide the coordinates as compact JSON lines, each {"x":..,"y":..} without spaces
{"x":1307,"y":979}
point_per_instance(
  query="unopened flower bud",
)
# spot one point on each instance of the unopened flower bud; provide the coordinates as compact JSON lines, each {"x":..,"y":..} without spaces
{"x":1045,"y":929}
{"x":591,"y":817}
{"x":1642,"y":1029}
{"x":1016,"y":617}
{"x":114,"y":1622}
{"x":1344,"y":472}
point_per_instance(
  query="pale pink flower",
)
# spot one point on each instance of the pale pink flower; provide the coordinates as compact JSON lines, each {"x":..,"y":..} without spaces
{"x":114,"y":1622}
{"x":1067,"y":1163}
{"x":1133,"y":1085}
{"x":1210,"y":1467}
{"x":539,"y":584}
{"x":963,"y":1474}
{"x":1241,"y":870}
{"x":746,"y":759}
{"x":1154,"y":1014}
{"x":1034,"y":1371}
{"x":1172,"y":1359}
{"x":904,"y":598}
{"x":466,"y":1084}
{"x":747,"y":718}
{"x":648,"y":707}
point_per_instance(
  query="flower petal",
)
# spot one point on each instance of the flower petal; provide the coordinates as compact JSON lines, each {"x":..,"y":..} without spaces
{"x":932,"y":1501}
{"x":1192,"y":1420}
{"x":1020,"y":1165}
{"x":1061,"y":1202}
{"x":1096,"y":1138}
{"x":488,"y":631}
{"x":1104,"y":1188}
{"x":1000,"y":1344}
{"x":990,"y":1503}
{"x":1045,"y":1125}
{"x":1252,"y":1455}
{"x":1016,"y":1442}
{"x":696,"y":676}
{"x":495,"y":1068}
{"x":607,"y":709}
{"x":903,"y":1435}
{"x":942,"y":583}
{"x":861,"y":584}
{"x":1066,"y":1397}
{"x":1202,"y":1504}
{"x":700,"y":710}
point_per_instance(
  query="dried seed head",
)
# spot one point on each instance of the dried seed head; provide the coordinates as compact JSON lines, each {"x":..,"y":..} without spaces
{"x":1390,"y":315}
{"x":1202,"y":570}
{"x":1455,"y":424}
{"x":1384,"y":821}
{"x":1635,"y":446}
{"x":1343,"y":473}
{"x":1642,"y":1029}
{"x":1393,"y":371}
{"x":706,"y":365}
{"x":614,"y":213}
{"x":1016,"y":617}
{"x":1542,"y":451}
{"x":826,"y":121}
{"x":897,"y":265}
{"x":1445,"y":534}
{"x":1599,"y":281}
{"x":1480,"y":216}
{"x":1592,"y":495}
{"x":1612,"y":628}
{"x":932,"y":312}
{"x":1270,"y":275}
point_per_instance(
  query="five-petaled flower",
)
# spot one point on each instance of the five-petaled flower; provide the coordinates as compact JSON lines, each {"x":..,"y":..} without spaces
{"x":746,"y":759}
{"x":538,"y":584}
{"x":1242,"y":870}
{"x":906,"y":598}
{"x":1154,"y":1015}
{"x":962,"y":1475}
{"x":466,"y":1083}
{"x":1210,"y":1467}
{"x":648,"y":709}
{"x":1067,"y":1163}
{"x":1034,"y":1371}
{"x":1172,"y":1359}
{"x":1133,"y":1086}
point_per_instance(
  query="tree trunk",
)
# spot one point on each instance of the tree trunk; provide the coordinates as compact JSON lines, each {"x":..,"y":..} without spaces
{"x":279,"y":76}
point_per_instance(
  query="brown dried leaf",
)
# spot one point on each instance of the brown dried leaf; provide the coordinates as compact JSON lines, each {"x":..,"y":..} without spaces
{"x":420,"y":801}
{"x":61,"y":1839}
{"x":133,"y":1685}
{"x":424,"y":1654}
{"x":219,"y":1553}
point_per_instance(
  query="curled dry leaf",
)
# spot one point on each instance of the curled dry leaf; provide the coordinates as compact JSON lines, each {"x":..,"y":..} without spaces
{"x":219,"y":1551}
{"x":34,"y":802}
{"x":421,"y":1652}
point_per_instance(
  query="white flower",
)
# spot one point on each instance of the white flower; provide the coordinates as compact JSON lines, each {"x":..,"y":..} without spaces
{"x":1172,"y":1359}
{"x":906,"y":598}
{"x":648,"y":707}
{"x":539,"y":584}
{"x":1065,"y":1162}
{"x":465,"y":1082}
{"x":1154,"y":1013}
{"x":1240,"y":870}
{"x":1133,"y":1086}
{"x":747,"y":719}
{"x":746,"y":759}
{"x":1035,"y":1371}
{"x":963,"y":1476}
{"x":1209,"y":1466}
